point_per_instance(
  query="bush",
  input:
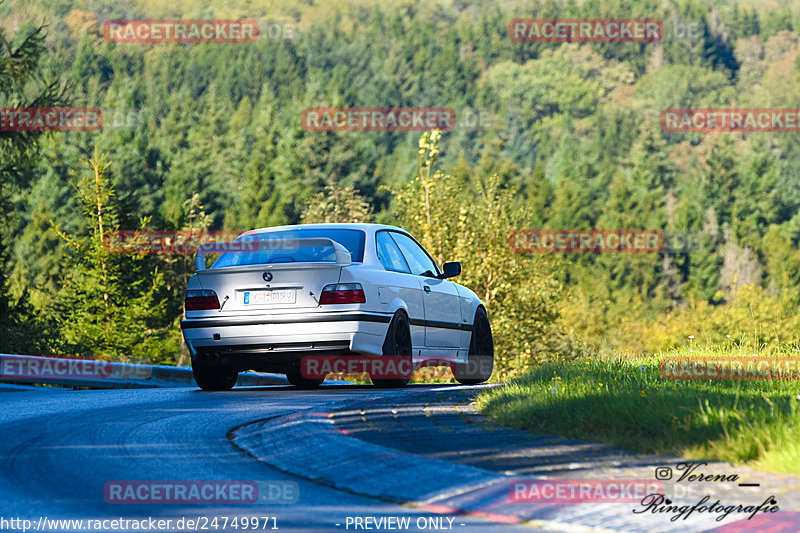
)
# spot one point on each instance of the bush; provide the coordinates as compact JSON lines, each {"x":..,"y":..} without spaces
{"x":752,"y":317}
{"x":471,"y":221}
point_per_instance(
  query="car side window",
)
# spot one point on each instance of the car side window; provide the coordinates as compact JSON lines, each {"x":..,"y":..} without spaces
{"x":389,"y":254}
{"x":417,"y":258}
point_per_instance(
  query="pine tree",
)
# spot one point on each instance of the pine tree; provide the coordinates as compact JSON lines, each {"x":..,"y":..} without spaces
{"x":337,"y":204}
{"x":109,"y":304}
{"x":22,"y":84}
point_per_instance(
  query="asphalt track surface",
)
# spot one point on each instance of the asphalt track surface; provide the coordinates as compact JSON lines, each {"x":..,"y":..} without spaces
{"x":347,"y":454}
{"x":60,"y":447}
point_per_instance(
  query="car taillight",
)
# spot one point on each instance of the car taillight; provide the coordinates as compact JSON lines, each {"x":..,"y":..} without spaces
{"x":201,"y":300}
{"x":343,"y":293}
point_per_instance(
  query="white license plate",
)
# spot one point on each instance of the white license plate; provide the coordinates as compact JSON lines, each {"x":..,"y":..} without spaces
{"x":282,"y":296}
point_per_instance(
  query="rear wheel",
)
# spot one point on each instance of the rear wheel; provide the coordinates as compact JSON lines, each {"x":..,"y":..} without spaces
{"x":214,"y":377}
{"x":480,"y":360}
{"x":397,"y":344}
{"x":296,"y":379}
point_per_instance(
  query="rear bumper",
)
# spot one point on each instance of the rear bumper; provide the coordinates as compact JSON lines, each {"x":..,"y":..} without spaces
{"x":266,"y":335}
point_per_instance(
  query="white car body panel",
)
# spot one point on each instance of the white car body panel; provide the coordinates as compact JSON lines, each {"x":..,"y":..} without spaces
{"x":441,"y":305}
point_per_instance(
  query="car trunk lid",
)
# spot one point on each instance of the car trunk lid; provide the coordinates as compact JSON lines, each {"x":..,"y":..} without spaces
{"x":268,"y":287}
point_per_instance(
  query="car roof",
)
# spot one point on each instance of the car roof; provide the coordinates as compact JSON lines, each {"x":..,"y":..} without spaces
{"x":369,"y":228}
{"x":369,"y":251}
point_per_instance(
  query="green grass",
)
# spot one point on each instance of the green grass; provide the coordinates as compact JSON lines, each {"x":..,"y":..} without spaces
{"x":626,"y":403}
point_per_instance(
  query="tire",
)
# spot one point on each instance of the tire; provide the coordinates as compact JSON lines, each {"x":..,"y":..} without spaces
{"x":296,"y":379}
{"x":397,"y":343}
{"x":214,"y":377}
{"x":480,"y":359}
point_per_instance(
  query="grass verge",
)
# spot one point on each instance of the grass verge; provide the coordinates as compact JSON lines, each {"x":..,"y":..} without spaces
{"x":626,"y":403}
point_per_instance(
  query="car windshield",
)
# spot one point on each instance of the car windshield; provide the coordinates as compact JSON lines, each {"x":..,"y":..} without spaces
{"x":284,"y":247}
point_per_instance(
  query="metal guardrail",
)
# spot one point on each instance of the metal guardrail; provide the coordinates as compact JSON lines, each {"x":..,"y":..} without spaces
{"x":95,"y":374}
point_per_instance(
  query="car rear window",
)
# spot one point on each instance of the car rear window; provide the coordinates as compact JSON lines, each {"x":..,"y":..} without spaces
{"x":283,"y":247}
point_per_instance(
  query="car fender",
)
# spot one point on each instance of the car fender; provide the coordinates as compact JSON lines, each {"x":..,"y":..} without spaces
{"x":417,"y":330}
{"x":194,"y":283}
{"x":469,"y":306}
{"x":469,"y":303}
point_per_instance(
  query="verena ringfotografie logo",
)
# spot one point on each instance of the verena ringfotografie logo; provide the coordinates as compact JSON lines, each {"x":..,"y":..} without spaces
{"x":730,"y":368}
{"x":50,"y":119}
{"x":582,"y":490}
{"x":378,"y":118}
{"x":658,"y":503}
{"x":180,"y":31}
{"x":585,"y":30}
{"x":730,"y":120}
{"x":27,"y":367}
{"x":586,"y":241}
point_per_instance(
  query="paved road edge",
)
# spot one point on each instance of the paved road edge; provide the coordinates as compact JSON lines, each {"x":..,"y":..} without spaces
{"x":313,"y":448}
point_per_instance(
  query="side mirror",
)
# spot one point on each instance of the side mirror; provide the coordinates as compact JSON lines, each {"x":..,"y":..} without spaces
{"x":450,"y":269}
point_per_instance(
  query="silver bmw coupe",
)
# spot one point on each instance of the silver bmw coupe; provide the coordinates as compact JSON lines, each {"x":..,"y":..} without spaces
{"x":277,"y":295}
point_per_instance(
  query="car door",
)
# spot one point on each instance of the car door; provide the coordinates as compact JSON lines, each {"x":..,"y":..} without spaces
{"x":440,"y":297}
{"x":398,"y":282}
